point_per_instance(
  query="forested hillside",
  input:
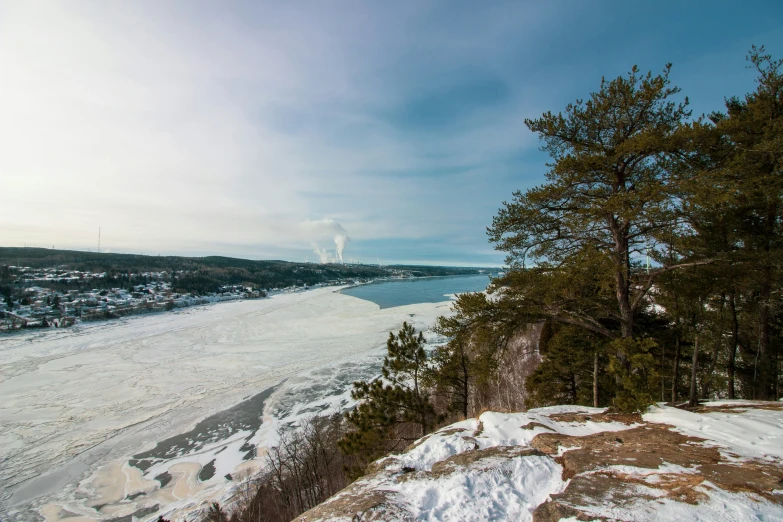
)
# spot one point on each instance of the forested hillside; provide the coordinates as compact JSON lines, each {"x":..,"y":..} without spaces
{"x":205,"y":274}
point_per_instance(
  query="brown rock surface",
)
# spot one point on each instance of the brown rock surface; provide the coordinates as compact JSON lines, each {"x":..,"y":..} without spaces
{"x":647,"y":447}
{"x":616,"y":475}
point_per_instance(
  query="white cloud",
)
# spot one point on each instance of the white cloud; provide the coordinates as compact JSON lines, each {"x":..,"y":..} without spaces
{"x":192,"y":127}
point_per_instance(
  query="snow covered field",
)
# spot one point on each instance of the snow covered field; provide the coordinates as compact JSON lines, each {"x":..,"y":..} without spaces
{"x":77,"y":404}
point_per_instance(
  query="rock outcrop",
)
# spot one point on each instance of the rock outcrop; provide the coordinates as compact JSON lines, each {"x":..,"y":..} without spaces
{"x":721,"y":462}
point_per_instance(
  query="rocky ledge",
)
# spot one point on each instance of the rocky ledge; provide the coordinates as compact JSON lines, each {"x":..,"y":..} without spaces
{"x":723,"y":461}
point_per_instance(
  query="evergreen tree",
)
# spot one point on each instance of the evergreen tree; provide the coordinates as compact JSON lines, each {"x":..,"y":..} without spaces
{"x":568,"y":373}
{"x":459,"y":367}
{"x":452,"y":374}
{"x":630,"y":179}
{"x":608,"y":192}
{"x":613,"y":193}
{"x":395,"y":409}
{"x":754,"y":127}
{"x":217,"y":513}
{"x":732,"y":203}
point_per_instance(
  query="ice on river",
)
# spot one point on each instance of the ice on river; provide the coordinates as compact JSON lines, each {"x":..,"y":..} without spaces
{"x":76,"y":404}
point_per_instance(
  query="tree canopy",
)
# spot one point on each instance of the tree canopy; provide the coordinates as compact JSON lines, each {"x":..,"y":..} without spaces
{"x":652,"y":234}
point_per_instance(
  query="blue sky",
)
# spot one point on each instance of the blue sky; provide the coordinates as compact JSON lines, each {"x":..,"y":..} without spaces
{"x":263,"y":130}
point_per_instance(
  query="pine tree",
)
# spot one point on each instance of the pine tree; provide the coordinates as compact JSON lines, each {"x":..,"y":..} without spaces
{"x":754,"y":127}
{"x":607,"y":194}
{"x":397,"y":408}
{"x":568,"y":373}
{"x":216,"y":513}
{"x":575,"y":244}
{"x":7,"y":294}
{"x":733,"y":199}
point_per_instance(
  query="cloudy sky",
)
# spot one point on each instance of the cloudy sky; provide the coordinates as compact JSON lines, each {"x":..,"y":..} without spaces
{"x":264,"y":129}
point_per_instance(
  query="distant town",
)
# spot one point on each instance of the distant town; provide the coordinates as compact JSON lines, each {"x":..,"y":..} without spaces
{"x":39,"y":305}
{"x":90,"y":286}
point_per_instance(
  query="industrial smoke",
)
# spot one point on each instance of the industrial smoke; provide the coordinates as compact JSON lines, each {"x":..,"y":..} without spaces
{"x":340,"y":240}
{"x":321,"y":230}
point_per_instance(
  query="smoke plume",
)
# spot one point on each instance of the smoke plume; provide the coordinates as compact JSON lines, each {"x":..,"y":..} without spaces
{"x":323,"y":255}
{"x":319,"y":231}
{"x":340,"y":240}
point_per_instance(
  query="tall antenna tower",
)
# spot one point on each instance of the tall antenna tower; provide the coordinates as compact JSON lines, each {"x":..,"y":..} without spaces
{"x":99,"y":239}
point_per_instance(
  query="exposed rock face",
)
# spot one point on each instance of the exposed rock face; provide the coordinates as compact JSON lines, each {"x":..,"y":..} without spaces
{"x":583,"y":464}
{"x":358,"y":502}
{"x":598,"y":475}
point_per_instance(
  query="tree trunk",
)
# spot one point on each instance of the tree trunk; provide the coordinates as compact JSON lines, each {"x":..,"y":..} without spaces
{"x":707,"y":388}
{"x":678,"y":349}
{"x":624,"y":303}
{"x":622,"y":275}
{"x":763,"y":384}
{"x":764,"y":366}
{"x":595,"y":379}
{"x":734,"y":342}
{"x":663,"y":373}
{"x":573,"y":388}
{"x":622,"y":278}
{"x":676,"y":370}
{"x":465,"y":389}
{"x":693,"y":402}
{"x":775,"y":375}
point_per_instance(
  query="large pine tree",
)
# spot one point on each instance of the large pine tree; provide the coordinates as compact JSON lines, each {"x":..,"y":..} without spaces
{"x":609,"y":193}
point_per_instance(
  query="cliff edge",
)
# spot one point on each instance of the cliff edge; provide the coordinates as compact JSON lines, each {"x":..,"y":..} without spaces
{"x":723,"y":462}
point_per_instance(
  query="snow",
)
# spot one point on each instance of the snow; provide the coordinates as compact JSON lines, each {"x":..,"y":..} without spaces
{"x":651,"y":475}
{"x":507,"y":490}
{"x":499,"y":429}
{"x":718,"y":506}
{"x":507,"y":484}
{"x":456,"y":438}
{"x":751,"y":433}
{"x":731,"y":402}
{"x":77,"y":403}
{"x":505,"y":429}
{"x":495,"y":485}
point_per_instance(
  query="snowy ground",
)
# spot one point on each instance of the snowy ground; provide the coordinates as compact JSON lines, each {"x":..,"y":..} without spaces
{"x":179,"y":393}
{"x":569,"y":463}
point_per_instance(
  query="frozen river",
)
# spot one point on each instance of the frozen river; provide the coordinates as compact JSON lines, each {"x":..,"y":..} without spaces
{"x":179,"y":394}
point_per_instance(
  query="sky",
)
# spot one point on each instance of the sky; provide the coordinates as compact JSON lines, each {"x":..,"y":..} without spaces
{"x":264,"y":130}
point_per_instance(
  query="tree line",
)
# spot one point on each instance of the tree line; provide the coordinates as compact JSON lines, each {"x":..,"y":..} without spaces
{"x":198,"y":275}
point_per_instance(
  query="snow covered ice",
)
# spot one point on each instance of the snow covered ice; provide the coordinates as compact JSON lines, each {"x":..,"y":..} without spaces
{"x":77,"y":404}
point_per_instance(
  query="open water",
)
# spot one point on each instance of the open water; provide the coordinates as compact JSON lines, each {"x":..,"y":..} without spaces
{"x":400,"y":292}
